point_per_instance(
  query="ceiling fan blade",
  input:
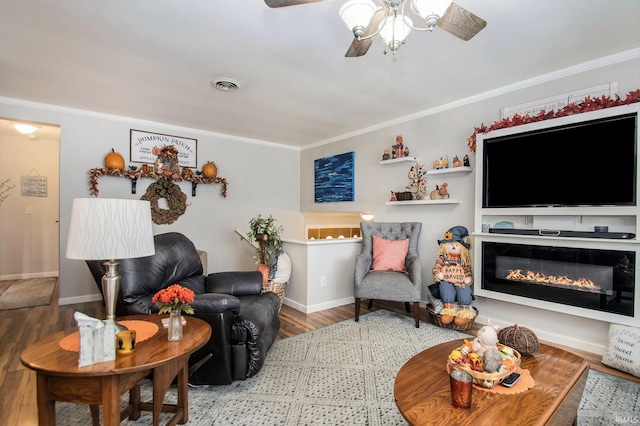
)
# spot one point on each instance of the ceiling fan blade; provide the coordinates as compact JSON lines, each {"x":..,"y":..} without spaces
{"x":284,"y":3}
{"x":360,"y":48}
{"x":460,"y":22}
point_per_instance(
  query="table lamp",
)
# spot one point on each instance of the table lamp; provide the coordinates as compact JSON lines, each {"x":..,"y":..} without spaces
{"x":110,"y":229}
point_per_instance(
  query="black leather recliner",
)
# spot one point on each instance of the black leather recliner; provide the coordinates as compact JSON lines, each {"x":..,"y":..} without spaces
{"x":244,"y":321}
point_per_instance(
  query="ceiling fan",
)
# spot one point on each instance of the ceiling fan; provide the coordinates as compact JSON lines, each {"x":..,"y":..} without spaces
{"x":366,"y":20}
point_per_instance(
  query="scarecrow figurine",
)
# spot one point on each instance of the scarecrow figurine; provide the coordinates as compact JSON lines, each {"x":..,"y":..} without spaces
{"x":453,"y":273}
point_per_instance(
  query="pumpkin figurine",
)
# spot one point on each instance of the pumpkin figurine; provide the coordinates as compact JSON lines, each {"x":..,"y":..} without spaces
{"x":210,"y":170}
{"x":457,"y":162}
{"x":187,"y":172}
{"x":114,"y":161}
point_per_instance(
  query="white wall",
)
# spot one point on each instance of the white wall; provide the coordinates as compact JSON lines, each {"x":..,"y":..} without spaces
{"x":263,"y":178}
{"x":444,"y":131}
{"x":28,"y":224}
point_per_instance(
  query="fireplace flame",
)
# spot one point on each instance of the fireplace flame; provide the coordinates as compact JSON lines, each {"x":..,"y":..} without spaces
{"x":539,"y":278}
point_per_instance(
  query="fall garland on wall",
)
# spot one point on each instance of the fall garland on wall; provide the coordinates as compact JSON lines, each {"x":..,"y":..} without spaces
{"x":176,"y":199}
{"x":587,"y":105}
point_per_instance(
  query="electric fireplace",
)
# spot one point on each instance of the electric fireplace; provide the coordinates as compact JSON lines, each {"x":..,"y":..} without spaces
{"x":588,"y":278}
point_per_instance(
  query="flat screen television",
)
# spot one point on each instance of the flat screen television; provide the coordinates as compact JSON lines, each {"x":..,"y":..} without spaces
{"x":589,"y":163}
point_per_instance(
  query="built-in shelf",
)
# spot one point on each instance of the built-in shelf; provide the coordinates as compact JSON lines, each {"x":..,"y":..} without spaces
{"x":406,"y":203}
{"x":461,"y":169}
{"x":399,"y":160}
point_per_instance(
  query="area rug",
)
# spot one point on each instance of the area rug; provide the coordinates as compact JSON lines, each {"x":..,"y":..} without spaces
{"x":27,"y":293}
{"x":342,"y":374}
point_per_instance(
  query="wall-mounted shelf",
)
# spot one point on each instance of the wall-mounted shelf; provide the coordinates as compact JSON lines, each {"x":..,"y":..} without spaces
{"x":406,"y":203}
{"x":461,"y":169}
{"x":134,"y":175}
{"x":399,"y":160}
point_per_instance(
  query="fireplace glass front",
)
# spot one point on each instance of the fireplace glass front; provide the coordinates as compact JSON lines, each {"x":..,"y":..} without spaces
{"x":602,"y":280}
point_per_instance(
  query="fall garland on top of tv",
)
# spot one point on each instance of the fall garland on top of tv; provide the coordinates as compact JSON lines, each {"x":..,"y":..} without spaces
{"x":588,"y":104}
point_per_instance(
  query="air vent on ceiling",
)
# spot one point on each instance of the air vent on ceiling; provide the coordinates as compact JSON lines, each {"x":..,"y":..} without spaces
{"x":225,"y":84}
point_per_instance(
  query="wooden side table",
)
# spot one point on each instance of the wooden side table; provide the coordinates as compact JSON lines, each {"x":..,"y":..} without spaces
{"x":423,"y":394}
{"x":59,"y":378}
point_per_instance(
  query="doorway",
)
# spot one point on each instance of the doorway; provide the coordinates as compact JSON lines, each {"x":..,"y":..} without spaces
{"x":29,"y":201}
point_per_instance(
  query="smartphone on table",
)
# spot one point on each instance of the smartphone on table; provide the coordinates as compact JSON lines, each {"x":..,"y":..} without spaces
{"x":510,"y":380}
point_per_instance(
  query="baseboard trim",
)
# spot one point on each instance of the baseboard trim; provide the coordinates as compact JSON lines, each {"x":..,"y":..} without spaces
{"x":555,"y":339}
{"x":79,"y":299}
{"x":50,"y":274}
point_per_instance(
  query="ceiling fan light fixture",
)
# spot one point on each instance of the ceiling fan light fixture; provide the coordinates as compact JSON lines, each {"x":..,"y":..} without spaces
{"x":25,"y":129}
{"x":394,"y":31}
{"x":225,"y":84}
{"x":356,"y":14}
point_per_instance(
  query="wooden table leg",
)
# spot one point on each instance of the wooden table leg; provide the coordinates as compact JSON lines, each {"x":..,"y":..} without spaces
{"x":162,"y":378}
{"x":110,"y":401}
{"x":95,"y":415}
{"x":46,"y":406}
{"x":183,"y":391}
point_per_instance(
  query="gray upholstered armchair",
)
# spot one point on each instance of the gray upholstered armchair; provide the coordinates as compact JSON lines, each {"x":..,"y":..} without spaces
{"x":379,"y":276}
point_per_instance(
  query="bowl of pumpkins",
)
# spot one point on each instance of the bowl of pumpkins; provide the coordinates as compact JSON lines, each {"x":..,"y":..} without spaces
{"x":484,"y":358}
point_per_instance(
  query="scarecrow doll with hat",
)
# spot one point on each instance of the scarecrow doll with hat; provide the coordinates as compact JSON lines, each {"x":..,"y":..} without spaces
{"x":453,"y":273}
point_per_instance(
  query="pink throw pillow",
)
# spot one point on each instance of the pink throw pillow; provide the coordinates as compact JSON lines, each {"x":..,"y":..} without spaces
{"x":389,"y":255}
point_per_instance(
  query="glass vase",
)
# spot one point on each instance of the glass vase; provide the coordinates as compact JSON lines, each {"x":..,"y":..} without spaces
{"x":175,"y":326}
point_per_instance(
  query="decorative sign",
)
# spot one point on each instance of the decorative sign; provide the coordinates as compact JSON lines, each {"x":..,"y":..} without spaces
{"x":334,"y":178}
{"x":33,"y":186}
{"x":145,"y":147}
{"x":554,"y":103}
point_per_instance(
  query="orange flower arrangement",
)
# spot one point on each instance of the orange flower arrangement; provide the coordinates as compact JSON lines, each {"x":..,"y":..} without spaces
{"x":175,"y":297}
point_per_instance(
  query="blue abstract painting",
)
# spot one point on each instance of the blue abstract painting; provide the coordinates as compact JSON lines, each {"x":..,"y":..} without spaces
{"x":334,"y":178}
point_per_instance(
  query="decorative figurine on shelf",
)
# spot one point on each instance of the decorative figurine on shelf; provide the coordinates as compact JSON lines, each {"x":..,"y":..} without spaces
{"x":465,"y":161}
{"x":406,"y":151}
{"x":442,"y":163}
{"x":385,"y":155}
{"x":399,"y":146}
{"x":452,"y":271}
{"x":418,"y":184}
{"x":440,"y":192}
{"x":393,"y":197}
{"x":456,"y":162}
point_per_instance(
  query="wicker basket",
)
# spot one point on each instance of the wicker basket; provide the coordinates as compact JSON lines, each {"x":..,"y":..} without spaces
{"x":277,"y":288}
{"x":437,"y":320}
{"x":486,"y":380}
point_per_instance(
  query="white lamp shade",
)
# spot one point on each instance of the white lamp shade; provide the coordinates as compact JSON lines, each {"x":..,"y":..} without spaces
{"x":392,"y":34}
{"x":109,"y":229}
{"x":424,"y":8}
{"x":357,"y":13}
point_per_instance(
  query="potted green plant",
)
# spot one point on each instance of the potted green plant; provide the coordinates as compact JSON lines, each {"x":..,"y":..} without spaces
{"x":265,"y":232}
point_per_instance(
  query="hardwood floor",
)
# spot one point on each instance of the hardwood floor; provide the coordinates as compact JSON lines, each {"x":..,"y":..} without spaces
{"x":21,"y":327}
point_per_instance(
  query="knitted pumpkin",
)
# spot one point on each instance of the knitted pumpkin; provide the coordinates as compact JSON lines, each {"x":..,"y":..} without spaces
{"x":519,"y":338}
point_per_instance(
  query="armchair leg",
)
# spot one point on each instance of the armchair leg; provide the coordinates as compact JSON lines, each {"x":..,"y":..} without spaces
{"x":406,"y":306}
{"x":416,"y":313}
{"x":358,"y":300}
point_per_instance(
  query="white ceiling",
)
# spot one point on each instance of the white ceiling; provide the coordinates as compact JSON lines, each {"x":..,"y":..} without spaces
{"x":154,"y":59}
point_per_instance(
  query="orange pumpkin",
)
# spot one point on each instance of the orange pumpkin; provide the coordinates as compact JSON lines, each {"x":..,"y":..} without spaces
{"x":114,"y":161}
{"x":210,"y":170}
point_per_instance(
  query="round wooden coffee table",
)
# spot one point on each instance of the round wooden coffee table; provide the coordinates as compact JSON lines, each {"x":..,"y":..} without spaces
{"x":423,"y":393}
{"x":59,"y":377}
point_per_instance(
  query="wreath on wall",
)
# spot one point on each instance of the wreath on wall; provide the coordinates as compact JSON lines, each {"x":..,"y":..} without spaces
{"x":176,"y":199}
{"x":588,"y":104}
